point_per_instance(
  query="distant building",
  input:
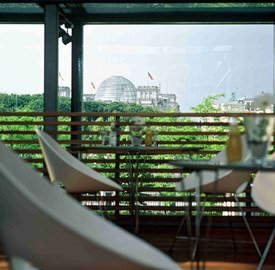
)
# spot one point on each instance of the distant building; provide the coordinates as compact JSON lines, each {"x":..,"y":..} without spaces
{"x":151,"y":96}
{"x":64,"y":91}
{"x":120,"y":89}
{"x":168,"y":101}
{"x":88,"y":97}
{"x":116,"y":89}
{"x":242,"y":104}
{"x":147,"y":95}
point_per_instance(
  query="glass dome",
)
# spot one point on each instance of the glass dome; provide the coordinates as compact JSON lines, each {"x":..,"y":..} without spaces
{"x":116,"y":88}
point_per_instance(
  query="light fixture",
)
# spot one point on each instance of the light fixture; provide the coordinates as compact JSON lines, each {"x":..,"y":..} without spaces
{"x":62,"y":32}
{"x":66,"y":38}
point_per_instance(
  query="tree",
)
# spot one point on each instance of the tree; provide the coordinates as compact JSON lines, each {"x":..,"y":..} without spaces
{"x":208,"y":104}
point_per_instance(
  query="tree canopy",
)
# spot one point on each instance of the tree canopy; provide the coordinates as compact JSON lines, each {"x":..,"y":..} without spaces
{"x":35,"y":103}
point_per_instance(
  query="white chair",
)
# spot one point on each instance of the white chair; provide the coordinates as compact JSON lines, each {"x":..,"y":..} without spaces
{"x":41,"y":224}
{"x":219,"y":182}
{"x":263,"y":194}
{"x":71,"y":172}
{"x":228,"y":181}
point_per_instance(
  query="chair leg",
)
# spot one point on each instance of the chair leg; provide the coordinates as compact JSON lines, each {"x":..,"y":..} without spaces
{"x":186,"y":217}
{"x":99,"y":201}
{"x":18,"y":263}
{"x":248,"y":227}
{"x":197,"y":237}
{"x":178,"y":231}
{"x":266,"y":250}
{"x":76,"y":196}
{"x":231,"y":226}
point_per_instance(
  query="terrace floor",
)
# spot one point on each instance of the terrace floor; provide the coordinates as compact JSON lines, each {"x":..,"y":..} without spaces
{"x":187,"y":265}
{"x":217,"y":255}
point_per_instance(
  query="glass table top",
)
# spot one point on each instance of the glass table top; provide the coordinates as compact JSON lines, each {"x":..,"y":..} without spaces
{"x":249,"y":164}
{"x":136,"y":149}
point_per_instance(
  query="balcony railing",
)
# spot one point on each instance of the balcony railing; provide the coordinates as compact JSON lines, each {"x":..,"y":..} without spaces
{"x":150,"y":170}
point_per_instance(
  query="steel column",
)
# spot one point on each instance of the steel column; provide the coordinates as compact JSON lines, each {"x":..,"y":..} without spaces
{"x":77,"y":68}
{"x":77,"y":74}
{"x":51,"y":61}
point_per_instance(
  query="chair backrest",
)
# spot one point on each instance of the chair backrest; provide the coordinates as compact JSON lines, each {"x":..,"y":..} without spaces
{"x":222,"y":181}
{"x":75,"y":176}
{"x":263,"y":190}
{"x":45,"y":226}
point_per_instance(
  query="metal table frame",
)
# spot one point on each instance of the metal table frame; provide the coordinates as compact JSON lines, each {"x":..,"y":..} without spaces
{"x":130,"y":151}
{"x":253,"y":165}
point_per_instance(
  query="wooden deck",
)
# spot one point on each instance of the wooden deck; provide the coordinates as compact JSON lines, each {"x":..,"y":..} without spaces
{"x":216,"y":255}
{"x":3,"y":264}
{"x":187,"y":265}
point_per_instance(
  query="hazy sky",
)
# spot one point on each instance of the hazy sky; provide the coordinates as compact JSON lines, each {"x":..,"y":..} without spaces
{"x":191,"y":61}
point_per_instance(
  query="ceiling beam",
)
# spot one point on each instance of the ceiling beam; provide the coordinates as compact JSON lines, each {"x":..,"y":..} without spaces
{"x":180,"y":17}
{"x":21,"y":18}
{"x":134,"y":1}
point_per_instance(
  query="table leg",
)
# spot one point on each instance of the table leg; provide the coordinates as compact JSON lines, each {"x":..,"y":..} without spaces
{"x":198,"y":217}
{"x":133,"y":196}
{"x":136,"y":206}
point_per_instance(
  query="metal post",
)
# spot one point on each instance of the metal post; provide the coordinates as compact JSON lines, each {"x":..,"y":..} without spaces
{"x":273,"y":76}
{"x":274,"y":62}
{"x":51,"y":62}
{"x":117,"y":166}
{"x":77,"y":76}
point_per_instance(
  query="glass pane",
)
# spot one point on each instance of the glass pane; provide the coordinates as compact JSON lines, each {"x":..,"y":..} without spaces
{"x":22,"y":54}
{"x":180,"y":64}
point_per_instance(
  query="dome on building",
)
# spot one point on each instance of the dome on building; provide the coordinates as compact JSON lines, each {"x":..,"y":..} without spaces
{"x":116,"y":88}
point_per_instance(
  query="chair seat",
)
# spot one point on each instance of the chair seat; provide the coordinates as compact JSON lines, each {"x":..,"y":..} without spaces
{"x":217,"y":182}
{"x":262,"y":192}
{"x":71,"y":172}
{"x":44,"y":225}
{"x":220,"y":182}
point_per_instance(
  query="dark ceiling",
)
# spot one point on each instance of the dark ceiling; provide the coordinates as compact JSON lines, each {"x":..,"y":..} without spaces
{"x":171,"y":11}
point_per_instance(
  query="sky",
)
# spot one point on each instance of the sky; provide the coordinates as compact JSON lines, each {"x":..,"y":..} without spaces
{"x":191,"y":61}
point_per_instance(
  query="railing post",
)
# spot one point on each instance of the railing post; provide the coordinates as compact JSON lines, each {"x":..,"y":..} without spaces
{"x":77,"y":77}
{"x":117,"y":159}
